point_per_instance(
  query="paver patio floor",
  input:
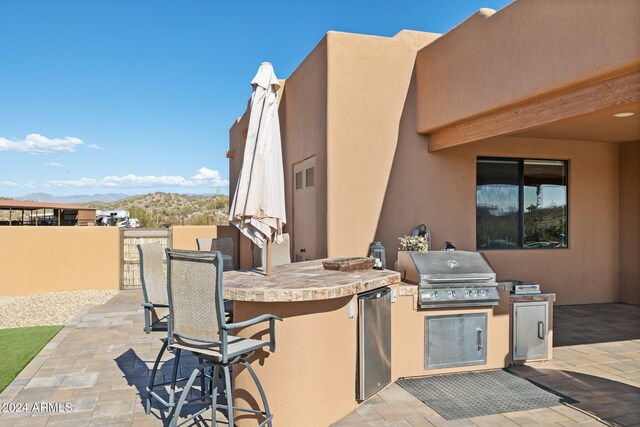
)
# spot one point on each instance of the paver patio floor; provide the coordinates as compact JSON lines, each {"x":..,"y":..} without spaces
{"x":100,"y":363}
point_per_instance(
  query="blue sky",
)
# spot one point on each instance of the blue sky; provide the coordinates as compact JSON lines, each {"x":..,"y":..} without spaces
{"x":138,"y":96}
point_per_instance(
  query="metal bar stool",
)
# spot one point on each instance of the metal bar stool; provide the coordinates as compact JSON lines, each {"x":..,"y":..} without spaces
{"x":197,"y":323}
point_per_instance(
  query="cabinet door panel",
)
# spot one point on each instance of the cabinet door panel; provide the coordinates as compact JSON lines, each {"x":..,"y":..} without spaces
{"x":455,"y":340}
{"x":530,"y":331}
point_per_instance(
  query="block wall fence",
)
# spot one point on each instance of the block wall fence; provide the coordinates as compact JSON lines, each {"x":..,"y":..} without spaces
{"x":54,"y":259}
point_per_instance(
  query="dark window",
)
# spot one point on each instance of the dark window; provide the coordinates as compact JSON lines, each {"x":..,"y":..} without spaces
{"x":309,"y":175}
{"x":521,"y":203}
{"x":299,"y":180}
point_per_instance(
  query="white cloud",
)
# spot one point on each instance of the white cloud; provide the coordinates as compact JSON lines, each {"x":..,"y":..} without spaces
{"x":53,"y":164}
{"x":9,"y":184}
{"x":72,"y":183}
{"x":132,"y":180}
{"x":94,"y":147}
{"x":209,"y":176}
{"x":38,"y":144}
{"x":204,"y":178}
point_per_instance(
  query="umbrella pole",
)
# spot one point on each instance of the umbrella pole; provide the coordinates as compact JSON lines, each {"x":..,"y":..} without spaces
{"x":268,"y":270}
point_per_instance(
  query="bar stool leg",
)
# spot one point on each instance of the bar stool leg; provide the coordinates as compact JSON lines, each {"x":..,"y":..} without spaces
{"x":174,"y":378}
{"x":260,"y":390}
{"x":183,"y":396}
{"x":215,"y":372}
{"x":203,"y":389}
{"x":153,"y":376}
{"x":229,"y":393}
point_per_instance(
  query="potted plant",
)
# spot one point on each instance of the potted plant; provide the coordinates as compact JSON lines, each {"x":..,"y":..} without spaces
{"x":413,"y":243}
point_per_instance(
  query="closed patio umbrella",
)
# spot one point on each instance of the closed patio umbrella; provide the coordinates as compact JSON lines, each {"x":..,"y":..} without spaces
{"x":258,"y":207}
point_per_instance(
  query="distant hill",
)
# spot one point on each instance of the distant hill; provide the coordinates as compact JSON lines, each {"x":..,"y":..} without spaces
{"x":153,"y":209}
{"x":78,"y":198}
{"x":156,"y":209}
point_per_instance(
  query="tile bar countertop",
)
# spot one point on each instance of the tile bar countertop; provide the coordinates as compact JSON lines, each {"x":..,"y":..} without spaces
{"x":302,"y":281}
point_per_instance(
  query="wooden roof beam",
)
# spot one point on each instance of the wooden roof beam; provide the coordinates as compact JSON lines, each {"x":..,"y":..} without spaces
{"x":602,"y":95}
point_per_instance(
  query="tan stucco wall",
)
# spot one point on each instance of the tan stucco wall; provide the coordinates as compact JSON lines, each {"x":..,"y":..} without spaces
{"x":438,"y":189}
{"x":368,"y":83}
{"x":52,"y":259}
{"x":526,"y":49}
{"x":353,"y":103}
{"x":314,"y":362}
{"x":383,"y":181}
{"x":630,"y":223}
{"x":303,"y":123}
{"x":184,"y":236}
{"x":236,"y":146}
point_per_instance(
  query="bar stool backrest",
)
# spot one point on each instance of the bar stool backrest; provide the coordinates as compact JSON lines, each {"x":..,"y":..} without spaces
{"x":154,"y":286}
{"x":222,"y":244}
{"x":196,"y":307}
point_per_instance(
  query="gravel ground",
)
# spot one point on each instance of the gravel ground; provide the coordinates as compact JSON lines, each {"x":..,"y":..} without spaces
{"x":53,"y":308}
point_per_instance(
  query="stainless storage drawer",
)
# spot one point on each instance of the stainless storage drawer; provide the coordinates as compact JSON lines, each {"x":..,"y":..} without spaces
{"x":455,"y":340}
{"x":530,"y":323}
{"x":374,"y":342}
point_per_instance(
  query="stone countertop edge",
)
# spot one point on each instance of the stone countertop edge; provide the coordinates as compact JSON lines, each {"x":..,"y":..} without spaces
{"x":533,"y":297}
{"x":407,"y":289}
{"x":296,"y":285}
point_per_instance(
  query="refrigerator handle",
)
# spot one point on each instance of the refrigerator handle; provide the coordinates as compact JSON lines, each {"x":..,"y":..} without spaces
{"x":541,"y":330}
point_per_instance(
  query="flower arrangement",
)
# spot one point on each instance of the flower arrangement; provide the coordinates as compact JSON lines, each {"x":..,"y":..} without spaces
{"x":413,"y":243}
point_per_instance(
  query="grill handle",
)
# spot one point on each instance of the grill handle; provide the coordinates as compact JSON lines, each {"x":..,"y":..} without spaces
{"x":541,"y":330}
{"x":466,"y":279}
{"x":479,"y":338}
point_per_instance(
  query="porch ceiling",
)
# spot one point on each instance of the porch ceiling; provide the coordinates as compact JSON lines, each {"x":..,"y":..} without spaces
{"x":598,"y":127}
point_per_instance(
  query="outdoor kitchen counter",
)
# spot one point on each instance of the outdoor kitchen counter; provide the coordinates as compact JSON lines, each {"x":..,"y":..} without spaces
{"x":310,"y":378}
{"x":303,"y":281}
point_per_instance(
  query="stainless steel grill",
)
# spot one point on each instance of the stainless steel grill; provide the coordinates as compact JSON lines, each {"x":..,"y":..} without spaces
{"x":450,"y":278}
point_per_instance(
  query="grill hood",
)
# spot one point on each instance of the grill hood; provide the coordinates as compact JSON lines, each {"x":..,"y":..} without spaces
{"x":450,"y":278}
{"x":445,"y":267}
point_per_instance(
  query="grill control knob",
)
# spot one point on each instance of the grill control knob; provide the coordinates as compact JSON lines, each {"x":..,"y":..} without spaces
{"x":483,"y":294}
{"x":434,"y":295}
{"x":474,"y":294}
{"x":467,"y":294}
{"x":451,"y":294}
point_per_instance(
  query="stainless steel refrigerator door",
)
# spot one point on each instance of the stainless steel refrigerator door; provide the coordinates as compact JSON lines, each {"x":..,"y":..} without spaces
{"x":374,"y":347}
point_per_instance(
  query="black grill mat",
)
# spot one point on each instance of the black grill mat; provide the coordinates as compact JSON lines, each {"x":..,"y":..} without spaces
{"x":473,"y":394}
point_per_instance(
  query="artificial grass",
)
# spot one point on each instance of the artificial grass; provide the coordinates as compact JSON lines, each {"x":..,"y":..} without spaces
{"x":19,"y":346}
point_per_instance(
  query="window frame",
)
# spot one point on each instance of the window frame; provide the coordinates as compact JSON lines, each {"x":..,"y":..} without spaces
{"x":521,"y":208}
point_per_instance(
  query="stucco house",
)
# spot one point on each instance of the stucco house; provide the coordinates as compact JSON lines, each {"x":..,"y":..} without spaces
{"x":517,"y":134}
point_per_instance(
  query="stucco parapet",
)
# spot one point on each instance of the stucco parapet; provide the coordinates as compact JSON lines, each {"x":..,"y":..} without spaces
{"x":530,"y":49}
{"x":303,"y":281}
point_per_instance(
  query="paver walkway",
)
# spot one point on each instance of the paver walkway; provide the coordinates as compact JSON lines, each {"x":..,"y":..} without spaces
{"x":99,"y":366}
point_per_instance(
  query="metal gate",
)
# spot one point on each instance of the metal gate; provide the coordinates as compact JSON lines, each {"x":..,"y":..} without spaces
{"x":129,"y":256}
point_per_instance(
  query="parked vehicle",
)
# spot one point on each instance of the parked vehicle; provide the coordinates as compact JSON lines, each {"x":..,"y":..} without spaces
{"x":129,"y":223}
{"x":118,"y":218}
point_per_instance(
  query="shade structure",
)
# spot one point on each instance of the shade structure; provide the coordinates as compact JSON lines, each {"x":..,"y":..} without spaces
{"x":258,"y":206}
